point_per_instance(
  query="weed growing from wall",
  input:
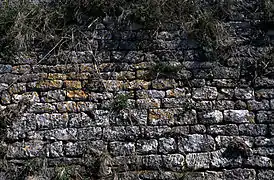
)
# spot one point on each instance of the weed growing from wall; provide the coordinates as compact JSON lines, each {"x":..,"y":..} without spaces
{"x":164,"y":69}
{"x":120,"y":102}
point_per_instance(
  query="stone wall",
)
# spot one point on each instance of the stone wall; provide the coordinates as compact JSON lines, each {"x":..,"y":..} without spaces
{"x":108,"y":114}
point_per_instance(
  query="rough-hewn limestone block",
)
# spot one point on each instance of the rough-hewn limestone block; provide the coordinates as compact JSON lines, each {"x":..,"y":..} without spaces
{"x":238,"y":116}
{"x":196,"y":143}
{"x":205,"y":93}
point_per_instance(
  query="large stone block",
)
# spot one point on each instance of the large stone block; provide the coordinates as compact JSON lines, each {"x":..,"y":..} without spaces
{"x":196,"y":143}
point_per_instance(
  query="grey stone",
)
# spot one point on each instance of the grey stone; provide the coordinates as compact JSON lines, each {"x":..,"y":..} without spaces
{"x":147,"y":146}
{"x":224,"y":105}
{"x":148,"y":103}
{"x":254,"y":105}
{"x":55,"y":149}
{"x":205,"y":93}
{"x":186,"y":117}
{"x":197,"y":161}
{"x":240,"y":174}
{"x":244,"y":94}
{"x":238,"y":116}
{"x":158,"y":131}
{"x":228,"y":129}
{"x":226,"y":94}
{"x":196,"y":143}
{"x":264,"y":82}
{"x":66,"y":134}
{"x":152,"y":161}
{"x":253,"y":129}
{"x":5,"y":68}
{"x":212,"y":175}
{"x":265,"y":94}
{"x":120,"y":133}
{"x":271,"y":129}
{"x":272,"y":104}
{"x":122,"y":148}
{"x":205,"y":105}
{"x":240,"y":105}
{"x":167,"y":145}
{"x":91,"y":133}
{"x":211,"y":117}
{"x":223,"y":158}
{"x":42,"y":108}
{"x":177,"y":103}
{"x":258,"y":161}
{"x":265,"y":174}
{"x":225,"y":141}
{"x":197,"y":129}
{"x":194,"y":175}
{"x":150,"y":94}
{"x":53,"y":96}
{"x":222,"y":83}
{"x":173,"y":162}
{"x":130,"y":117}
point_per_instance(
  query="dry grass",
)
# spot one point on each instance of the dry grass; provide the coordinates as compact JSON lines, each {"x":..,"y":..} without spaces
{"x":26,"y":26}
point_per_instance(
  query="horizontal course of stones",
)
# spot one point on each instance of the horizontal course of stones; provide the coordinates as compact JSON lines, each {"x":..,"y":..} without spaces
{"x":209,"y":121}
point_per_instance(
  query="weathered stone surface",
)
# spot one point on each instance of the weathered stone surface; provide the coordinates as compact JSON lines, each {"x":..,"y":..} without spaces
{"x":254,"y":105}
{"x":229,"y":129}
{"x":177,"y":103}
{"x":205,"y":93}
{"x":244,"y":93}
{"x":57,"y":76}
{"x":147,"y":146}
{"x":258,"y":161}
{"x":164,"y":84}
{"x":42,"y":108}
{"x":150,"y":94}
{"x":148,"y":103}
{"x":198,"y":160}
{"x":225,"y":158}
{"x":226,"y":94}
{"x":238,"y":116}
{"x":46,"y":85}
{"x":122,"y":149}
{"x":77,"y":95}
{"x":173,"y":162}
{"x":161,"y":117}
{"x":120,"y":133}
{"x":53,"y":96}
{"x":196,"y":143}
{"x":265,"y":174}
{"x":264,"y":94}
{"x":197,"y":129}
{"x":73,"y":84}
{"x":5,"y":68}
{"x":239,"y":174}
{"x":66,"y":106}
{"x":167,"y":145}
{"x":185,"y":117}
{"x":178,"y":93}
{"x":253,"y":129}
{"x":211,"y":117}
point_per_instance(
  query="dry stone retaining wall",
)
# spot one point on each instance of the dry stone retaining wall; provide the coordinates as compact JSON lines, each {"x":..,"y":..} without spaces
{"x":106,"y":114}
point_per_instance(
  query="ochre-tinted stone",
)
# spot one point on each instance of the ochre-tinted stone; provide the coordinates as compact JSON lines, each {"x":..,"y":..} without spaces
{"x":57,"y":76}
{"x":48,"y":85}
{"x":72,"y":84}
{"x":77,"y":95}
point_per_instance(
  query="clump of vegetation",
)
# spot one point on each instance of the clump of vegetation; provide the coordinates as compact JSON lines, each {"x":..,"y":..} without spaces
{"x":120,"y":102}
{"x":164,"y":69}
{"x":60,"y":25}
